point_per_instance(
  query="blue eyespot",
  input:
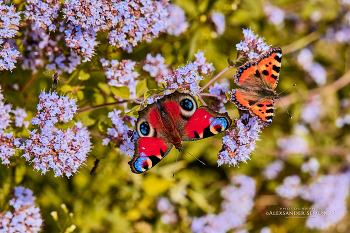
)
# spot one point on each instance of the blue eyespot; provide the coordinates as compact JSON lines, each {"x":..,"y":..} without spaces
{"x":144,"y":128}
{"x":186,"y":104}
{"x":220,"y":121}
{"x":139,"y":164}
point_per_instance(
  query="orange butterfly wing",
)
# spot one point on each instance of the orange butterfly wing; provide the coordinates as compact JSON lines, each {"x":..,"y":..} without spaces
{"x":269,"y":66}
{"x":259,"y":80}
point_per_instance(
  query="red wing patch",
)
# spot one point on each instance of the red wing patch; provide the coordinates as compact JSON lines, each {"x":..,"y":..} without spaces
{"x":269,"y":66}
{"x":155,"y":119}
{"x":204,"y":123}
{"x":263,"y":111}
{"x":173,"y":109}
{"x":148,"y":152}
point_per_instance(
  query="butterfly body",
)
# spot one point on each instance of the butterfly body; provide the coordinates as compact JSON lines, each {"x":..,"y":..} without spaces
{"x":171,"y":120}
{"x":259,"y":80}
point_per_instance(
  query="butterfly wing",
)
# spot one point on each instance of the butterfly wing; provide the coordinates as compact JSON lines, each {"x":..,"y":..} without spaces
{"x":263,"y":111}
{"x":244,"y":99}
{"x":153,"y":144}
{"x":249,"y":77}
{"x":260,"y":107}
{"x":148,"y":152}
{"x":269,"y":66}
{"x":205,"y":123}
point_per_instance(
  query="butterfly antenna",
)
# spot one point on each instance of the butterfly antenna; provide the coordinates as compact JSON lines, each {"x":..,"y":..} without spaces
{"x":287,"y":89}
{"x":284,"y":107}
{"x":175,"y":163}
{"x":194,"y":156}
{"x":281,"y":100}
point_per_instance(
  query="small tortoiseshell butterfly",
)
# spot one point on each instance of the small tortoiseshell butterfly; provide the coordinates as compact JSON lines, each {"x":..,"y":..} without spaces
{"x":172,"y":119}
{"x":259,"y":80}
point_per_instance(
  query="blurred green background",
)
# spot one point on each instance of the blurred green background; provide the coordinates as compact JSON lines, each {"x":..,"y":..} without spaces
{"x":114,"y":199}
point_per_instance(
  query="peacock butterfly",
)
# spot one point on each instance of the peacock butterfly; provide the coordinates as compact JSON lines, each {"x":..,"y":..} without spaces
{"x":259,"y":80}
{"x":170,"y":120}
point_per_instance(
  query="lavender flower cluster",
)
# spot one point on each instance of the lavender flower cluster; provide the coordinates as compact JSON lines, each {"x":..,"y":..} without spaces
{"x":121,"y":73}
{"x":238,"y":143}
{"x":63,"y":150}
{"x":252,"y":46}
{"x":7,"y":141}
{"x":167,"y":210}
{"x":315,"y":69}
{"x":42,"y":14}
{"x":238,"y":203}
{"x":155,"y":67}
{"x":219,"y":21}
{"x":9,"y":26}
{"x":23,"y":215}
{"x":41,"y":47}
{"x":121,"y":134}
{"x":335,"y":191}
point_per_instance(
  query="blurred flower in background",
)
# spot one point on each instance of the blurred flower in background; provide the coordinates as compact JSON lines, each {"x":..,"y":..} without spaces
{"x":24,"y":216}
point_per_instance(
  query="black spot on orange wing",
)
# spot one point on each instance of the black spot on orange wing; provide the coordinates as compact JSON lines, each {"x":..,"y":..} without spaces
{"x":276,"y":68}
{"x":277,"y":58}
{"x":265,"y":72}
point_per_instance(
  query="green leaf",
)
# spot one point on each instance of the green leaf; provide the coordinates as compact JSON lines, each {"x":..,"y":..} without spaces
{"x":104,"y":87}
{"x":20,"y":172}
{"x":122,"y":92}
{"x":66,"y":88}
{"x":141,"y":87}
{"x":134,"y":111}
{"x":151,"y":92}
{"x":102,"y":126}
{"x":83,"y":75}
{"x":80,"y":95}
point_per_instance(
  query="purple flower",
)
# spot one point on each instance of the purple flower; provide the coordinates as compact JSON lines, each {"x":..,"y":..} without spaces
{"x":290,"y":187}
{"x":64,"y":151}
{"x":240,"y":142}
{"x":219,"y":21}
{"x":121,"y":134}
{"x":120,"y":73}
{"x":23,"y":215}
{"x":42,"y":47}
{"x":316,"y":70}
{"x":329,"y":194}
{"x":265,"y":230}
{"x":185,"y":77}
{"x":220,"y":91}
{"x":9,"y":21}
{"x":53,"y":108}
{"x":42,"y":13}
{"x":341,"y":35}
{"x":271,"y":171}
{"x":295,"y":143}
{"x":136,"y":21}
{"x":177,"y":23}
{"x":156,"y":67}
{"x":167,"y":210}
{"x":274,"y":14}
{"x":204,"y":68}
{"x":8,"y":56}
{"x":251,"y":46}
{"x":341,"y":121}
{"x":20,"y":114}
{"x":311,"y":166}
{"x":5,"y":118}
{"x":312,"y":111}
{"x":236,"y":206}
{"x":7,"y":143}
{"x":81,"y":40}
